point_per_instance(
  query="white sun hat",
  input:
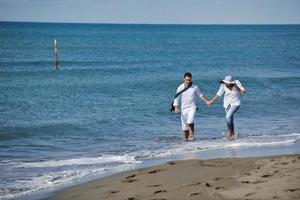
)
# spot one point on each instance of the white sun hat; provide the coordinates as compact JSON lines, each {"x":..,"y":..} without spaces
{"x":228,"y":80}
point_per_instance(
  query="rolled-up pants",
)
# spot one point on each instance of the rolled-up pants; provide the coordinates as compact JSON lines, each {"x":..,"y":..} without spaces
{"x":187,"y":117}
{"x":230,"y":110}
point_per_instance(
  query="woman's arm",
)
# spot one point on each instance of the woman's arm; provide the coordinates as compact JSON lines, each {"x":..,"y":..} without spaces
{"x":218,"y":94}
{"x":240,"y":87}
{"x":216,"y":97}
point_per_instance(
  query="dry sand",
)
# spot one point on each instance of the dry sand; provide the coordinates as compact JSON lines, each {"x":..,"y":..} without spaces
{"x":237,"y":178}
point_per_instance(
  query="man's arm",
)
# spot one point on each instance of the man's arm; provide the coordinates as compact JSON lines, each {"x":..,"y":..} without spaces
{"x":176,"y":100}
{"x":205,"y":100}
{"x":201,"y":96}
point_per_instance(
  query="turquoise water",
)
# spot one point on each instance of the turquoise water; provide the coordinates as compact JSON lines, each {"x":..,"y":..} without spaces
{"x":108,"y":105}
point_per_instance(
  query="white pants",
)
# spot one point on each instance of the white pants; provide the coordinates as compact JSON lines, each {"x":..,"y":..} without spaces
{"x":187,"y":117}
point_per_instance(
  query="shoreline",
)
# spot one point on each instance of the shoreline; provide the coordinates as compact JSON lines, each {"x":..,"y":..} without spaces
{"x":275,"y":177}
{"x":244,"y":152}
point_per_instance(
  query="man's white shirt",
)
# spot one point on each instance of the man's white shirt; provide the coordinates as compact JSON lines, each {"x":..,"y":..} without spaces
{"x":188,"y":96}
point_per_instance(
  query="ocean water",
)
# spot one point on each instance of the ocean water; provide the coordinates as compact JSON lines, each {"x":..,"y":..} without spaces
{"x":108,"y":106}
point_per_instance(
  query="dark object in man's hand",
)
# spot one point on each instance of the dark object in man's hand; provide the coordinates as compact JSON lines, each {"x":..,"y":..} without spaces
{"x":172,"y":107}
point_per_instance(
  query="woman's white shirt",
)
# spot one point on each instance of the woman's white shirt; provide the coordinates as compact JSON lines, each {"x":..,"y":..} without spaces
{"x":231,"y":97}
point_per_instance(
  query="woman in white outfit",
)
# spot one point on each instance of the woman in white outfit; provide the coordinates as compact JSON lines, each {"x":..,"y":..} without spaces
{"x":232,"y":90}
{"x":188,"y":105}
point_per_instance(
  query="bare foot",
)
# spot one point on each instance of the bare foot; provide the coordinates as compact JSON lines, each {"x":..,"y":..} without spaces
{"x":186,"y":135}
{"x":190,"y":137}
{"x":231,"y":136}
{"x":228,"y":135}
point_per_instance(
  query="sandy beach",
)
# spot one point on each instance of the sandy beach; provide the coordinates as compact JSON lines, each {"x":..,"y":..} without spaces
{"x":230,"y":178}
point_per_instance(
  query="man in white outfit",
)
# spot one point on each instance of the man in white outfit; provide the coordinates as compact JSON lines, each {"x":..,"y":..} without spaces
{"x":188,"y":105}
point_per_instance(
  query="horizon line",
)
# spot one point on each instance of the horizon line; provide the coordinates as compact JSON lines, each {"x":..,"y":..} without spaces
{"x":127,"y":23}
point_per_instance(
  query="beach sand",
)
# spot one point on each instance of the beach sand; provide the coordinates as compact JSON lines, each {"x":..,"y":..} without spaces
{"x":230,"y":178}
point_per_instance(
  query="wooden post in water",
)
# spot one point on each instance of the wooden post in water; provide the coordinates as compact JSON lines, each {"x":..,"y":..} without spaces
{"x":55,"y":54}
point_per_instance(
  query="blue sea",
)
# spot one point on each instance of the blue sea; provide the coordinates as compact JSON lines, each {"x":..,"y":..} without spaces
{"x":107,"y":107}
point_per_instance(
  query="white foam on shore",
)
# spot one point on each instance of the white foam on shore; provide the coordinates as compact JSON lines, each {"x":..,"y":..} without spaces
{"x":78,"y":168}
{"x":47,"y":181}
{"x":81,"y":161}
{"x":74,"y":169}
{"x":216,"y":144}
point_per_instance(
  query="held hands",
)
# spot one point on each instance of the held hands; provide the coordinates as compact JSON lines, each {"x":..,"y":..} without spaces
{"x":209,"y":103}
{"x":176,"y":109}
{"x":204,"y":100}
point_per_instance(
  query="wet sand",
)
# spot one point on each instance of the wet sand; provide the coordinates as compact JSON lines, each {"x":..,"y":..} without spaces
{"x":230,"y":178}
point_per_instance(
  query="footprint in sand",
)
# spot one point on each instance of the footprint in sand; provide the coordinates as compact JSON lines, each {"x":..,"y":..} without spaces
{"x":160,"y":191}
{"x":218,"y":188}
{"x":194,"y":194}
{"x":193,"y":184}
{"x":219,"y":178}
{"x":247,"y":182}
{"x":249,"y":194}
{"x":131,"y":198}
{"x":154,"y":171}
{"x":114,"y":191}
{"x":131,"y":176}
{"x":156,"y":185}
{"x":284,"y":163}
{"x":292,"y":190}
{"x":208,"y":185}
{"x":129,"y":180}
{"x":258,"y":182}
{"x":266,"y":175}
{"x":172,"y":163}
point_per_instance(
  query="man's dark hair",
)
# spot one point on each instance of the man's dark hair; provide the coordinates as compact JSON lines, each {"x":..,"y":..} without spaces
{"x":187,"y":74}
